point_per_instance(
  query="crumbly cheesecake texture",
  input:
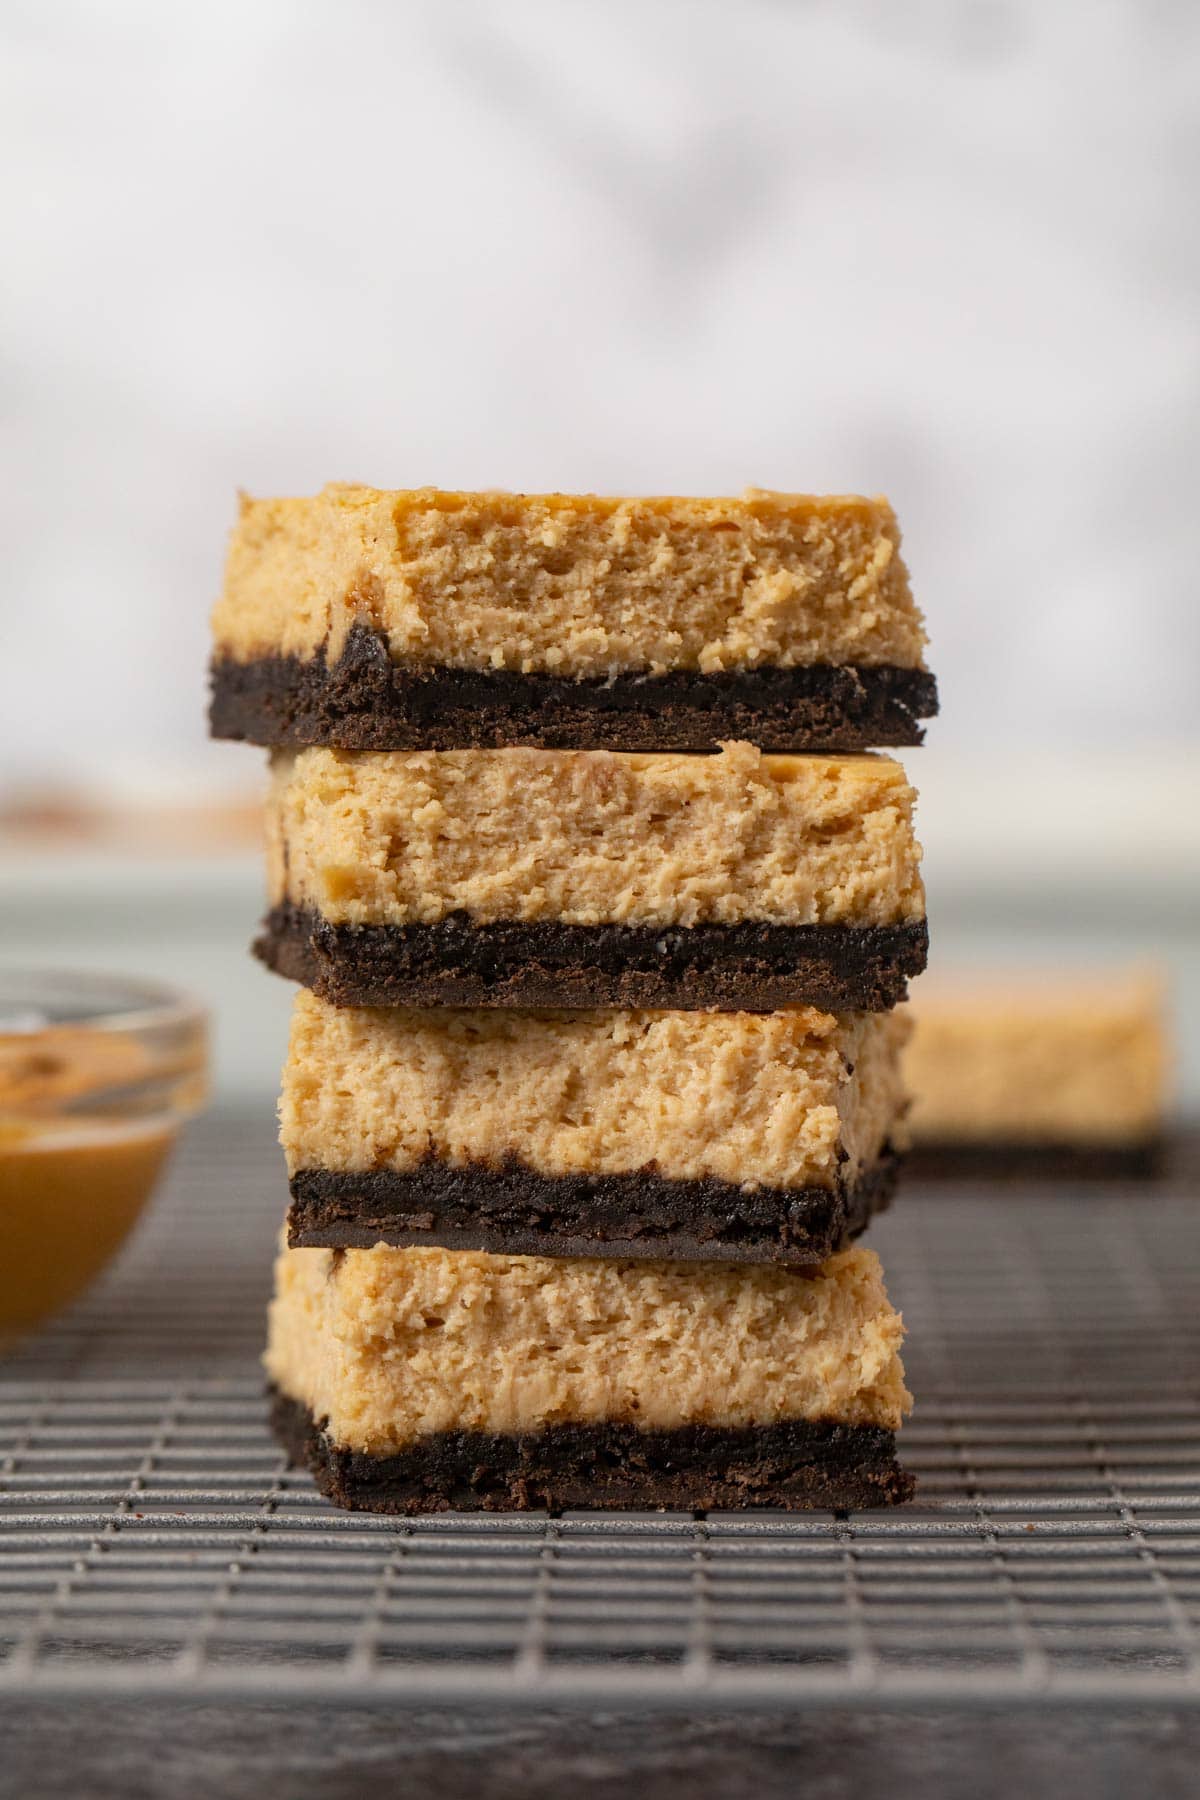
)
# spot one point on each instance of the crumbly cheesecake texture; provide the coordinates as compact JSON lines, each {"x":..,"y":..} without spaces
{"x":391,"y":1346}
{"x":789,"y":1099}
{"x":571,"y":585}
{"x":1028,"y":1059}
{"x":591,"y":837}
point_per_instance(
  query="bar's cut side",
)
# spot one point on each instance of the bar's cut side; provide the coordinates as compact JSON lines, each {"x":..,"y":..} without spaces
{"x":577,"y":878}
{"x":406,"y":620}
{"x":416,"y":1380}
{"x":685,"y":1135}
{"x":1024,"y":1075}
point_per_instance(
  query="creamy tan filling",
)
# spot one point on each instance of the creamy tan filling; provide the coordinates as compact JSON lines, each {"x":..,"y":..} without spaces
{"x":1030,"y":1059}
{"x":390,"y":1345}
{"x":571,"y":585}
{"x":590,"y":837}
{"x":758,"y":1099}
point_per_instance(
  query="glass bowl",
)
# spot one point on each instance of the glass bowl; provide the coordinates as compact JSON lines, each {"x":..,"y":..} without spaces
{"x":97,"y":1073}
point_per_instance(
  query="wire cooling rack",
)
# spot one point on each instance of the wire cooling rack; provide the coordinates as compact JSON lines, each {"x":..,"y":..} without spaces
{"x":151,"y":1540}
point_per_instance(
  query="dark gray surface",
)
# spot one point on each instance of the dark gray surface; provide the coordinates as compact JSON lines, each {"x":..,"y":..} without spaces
{"x":137,"y":1752}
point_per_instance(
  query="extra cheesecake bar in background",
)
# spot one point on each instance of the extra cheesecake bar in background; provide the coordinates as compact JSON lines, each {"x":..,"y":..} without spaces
{"x":571,"y":878}
{"x":685,"y":1135}
{"x":375,"y":620}
{"x":416,"y":1380}
{"x":1039,"y":1074}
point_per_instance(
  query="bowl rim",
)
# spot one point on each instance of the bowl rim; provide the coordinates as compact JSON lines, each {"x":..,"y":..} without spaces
{"x":148,"y":1001}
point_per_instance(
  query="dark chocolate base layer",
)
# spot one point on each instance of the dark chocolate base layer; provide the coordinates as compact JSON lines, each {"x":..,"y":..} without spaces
{"x":511,"y":1209}
{"x":1036,"y":1163}
{"x":796,"y":1465}
{"x":752,"y":967}
{"x":365,"y":701}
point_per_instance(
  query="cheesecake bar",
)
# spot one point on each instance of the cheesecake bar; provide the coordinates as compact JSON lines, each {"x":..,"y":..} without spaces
{"x":742,"y":1136}
{"x":418,"y":1380}
{"x":1025,"y":1074}
{"x":370,"y":620}
{"x":574,"y":878}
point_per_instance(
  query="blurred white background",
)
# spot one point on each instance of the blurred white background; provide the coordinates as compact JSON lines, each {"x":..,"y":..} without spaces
{"x":946,"y":251}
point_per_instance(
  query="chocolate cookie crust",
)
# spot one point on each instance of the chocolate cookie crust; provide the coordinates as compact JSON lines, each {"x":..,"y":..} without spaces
{"x":796,"y":1465}
{"x":518,"y":1211}
{"x":1036,"y":1163}
{"x":365,"y":701}
{"x":748,"y":967}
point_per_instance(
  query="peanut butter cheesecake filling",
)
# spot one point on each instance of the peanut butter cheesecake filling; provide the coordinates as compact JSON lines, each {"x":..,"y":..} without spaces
{"x":419,"y":1378}
{"x":1037,"y":1074}
{"x":374,"y":619}
{"x":737,"y":1135}
{"x":527,"y":877}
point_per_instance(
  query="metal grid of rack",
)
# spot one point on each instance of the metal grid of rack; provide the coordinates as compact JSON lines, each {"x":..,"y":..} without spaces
{"x":151,"y":1539}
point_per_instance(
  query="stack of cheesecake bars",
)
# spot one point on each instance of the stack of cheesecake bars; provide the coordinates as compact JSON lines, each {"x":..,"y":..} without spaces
{"x":599,"y":913}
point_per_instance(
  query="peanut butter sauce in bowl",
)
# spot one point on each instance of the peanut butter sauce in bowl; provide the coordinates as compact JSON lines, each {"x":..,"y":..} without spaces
{"x":97,"y":1074}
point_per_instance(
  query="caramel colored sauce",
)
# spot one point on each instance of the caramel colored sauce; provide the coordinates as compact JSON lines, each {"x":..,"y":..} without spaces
{"x":67,"y":1202}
